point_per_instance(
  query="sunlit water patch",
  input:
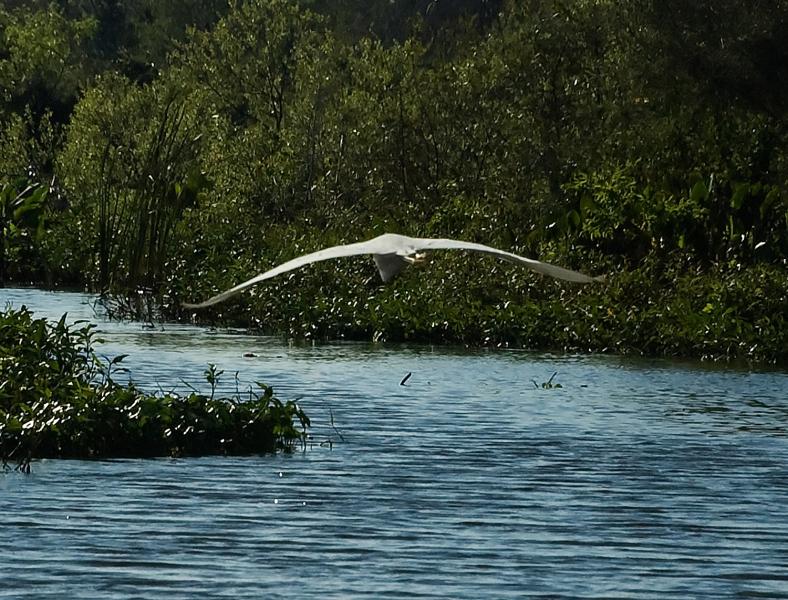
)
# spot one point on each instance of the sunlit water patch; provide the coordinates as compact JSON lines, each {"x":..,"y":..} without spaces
{"x":634,"y":479}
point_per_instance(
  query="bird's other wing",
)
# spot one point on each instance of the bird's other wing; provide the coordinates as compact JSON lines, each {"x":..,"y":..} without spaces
{"x":368,"y":247}
{"x":538,"y":266}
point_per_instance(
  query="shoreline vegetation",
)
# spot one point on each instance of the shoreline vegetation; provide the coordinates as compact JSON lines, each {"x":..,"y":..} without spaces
{"x":179,"y":148}
{"x":59,"y":400}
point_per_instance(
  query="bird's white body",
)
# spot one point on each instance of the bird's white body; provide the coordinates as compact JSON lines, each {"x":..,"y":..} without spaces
{"x":392,"y":252}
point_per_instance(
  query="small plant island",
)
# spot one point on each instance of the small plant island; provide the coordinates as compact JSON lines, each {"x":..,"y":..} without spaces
{"x":58,"y":399}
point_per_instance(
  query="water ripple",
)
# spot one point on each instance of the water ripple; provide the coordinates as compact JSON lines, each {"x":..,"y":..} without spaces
{"x":635,"y":479}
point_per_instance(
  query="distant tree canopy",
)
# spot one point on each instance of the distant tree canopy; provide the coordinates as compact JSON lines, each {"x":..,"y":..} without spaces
{"x":732,"y":51}
{"x":395,"y":21}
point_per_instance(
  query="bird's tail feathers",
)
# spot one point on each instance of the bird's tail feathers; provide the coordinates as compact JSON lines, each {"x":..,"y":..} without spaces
{"x":389,"y":265}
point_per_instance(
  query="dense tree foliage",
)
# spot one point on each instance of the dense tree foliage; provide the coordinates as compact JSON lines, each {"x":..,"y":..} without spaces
{"x":187,"y":144}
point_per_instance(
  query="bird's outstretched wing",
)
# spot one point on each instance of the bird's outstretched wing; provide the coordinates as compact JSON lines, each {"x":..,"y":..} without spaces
{"x":369,"y":247}
{"x":538,"y":266}
{"x":389,"y":251}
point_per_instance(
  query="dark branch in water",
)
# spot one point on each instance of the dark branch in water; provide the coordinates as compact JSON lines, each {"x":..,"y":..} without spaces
{"x":339,"y":433}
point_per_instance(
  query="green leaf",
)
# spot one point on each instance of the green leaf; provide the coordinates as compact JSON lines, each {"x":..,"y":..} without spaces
{"x":119,"y":358}
{"x":587,"y":205}
{"x":699,"y":192}
{"x":771,"y":197}
{"x":739,"y":195}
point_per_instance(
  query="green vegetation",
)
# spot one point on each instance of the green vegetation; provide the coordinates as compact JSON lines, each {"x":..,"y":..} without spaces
{"x":548,"y":385}
{"x":191,"y":144}
{"x":21,"y":224}
{"x":57,"y":399}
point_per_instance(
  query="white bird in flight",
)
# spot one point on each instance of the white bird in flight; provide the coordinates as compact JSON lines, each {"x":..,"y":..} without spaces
{"x":392,"y":253}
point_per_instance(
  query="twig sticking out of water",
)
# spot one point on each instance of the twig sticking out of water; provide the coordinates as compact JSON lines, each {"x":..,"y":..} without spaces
{"x":334,"y":427}
{"x":405,"y":379}
{"x":548,"y":385}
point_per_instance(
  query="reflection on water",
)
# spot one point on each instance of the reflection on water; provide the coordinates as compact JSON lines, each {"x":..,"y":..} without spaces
{"x":635,"y":479}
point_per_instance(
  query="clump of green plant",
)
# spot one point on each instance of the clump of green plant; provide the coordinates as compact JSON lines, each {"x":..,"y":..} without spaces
{"x":21,"y":223}
{"x":59,"y":400}
{"x":548,"y":385}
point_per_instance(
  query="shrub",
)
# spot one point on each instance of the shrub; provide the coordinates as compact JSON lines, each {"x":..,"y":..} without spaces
{"x":58,"y":400}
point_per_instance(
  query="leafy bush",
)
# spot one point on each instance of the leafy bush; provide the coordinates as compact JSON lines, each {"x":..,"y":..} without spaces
{"x":57,"y":399}
{"x":21,"y":225}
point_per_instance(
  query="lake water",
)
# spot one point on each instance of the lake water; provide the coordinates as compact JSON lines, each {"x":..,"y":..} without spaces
{"x":635,"y":479}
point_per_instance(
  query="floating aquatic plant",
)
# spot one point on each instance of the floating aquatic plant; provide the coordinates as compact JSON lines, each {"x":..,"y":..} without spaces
{"x":58,"y":399}
{"x":548,"y":385}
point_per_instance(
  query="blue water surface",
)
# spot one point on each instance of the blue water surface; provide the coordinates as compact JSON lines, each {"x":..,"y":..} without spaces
{"x":634,"y":479}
